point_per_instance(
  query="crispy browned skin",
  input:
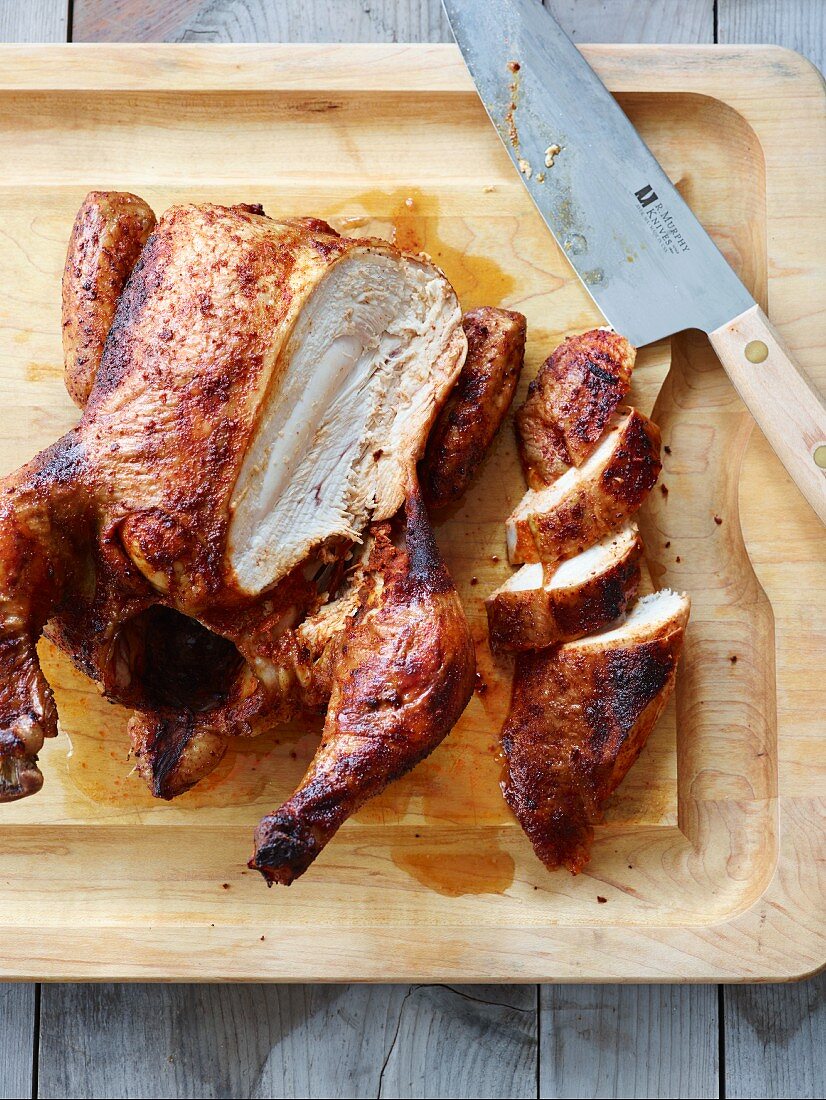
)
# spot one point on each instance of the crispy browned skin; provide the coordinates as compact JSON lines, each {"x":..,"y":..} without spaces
{"x":116,"y":535}
{"x":535,"y":618}
{"x":477,"y":405}
{"x":547,"y":527}
{"x":579,"y":718}
{"x":570,"y":402}
{"x":404,"y":676}
{"x":108,"y":236}
{"x":43,"y":553}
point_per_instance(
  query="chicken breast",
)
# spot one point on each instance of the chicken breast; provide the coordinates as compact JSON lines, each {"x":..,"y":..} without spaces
{"x":108,"y":236}
{"x":405,"y":674}
{"x":580,"y":715}
{"x":541,"y":605}
{"x":358,"y":380}
{"x":477,"y":404}
{"x":571,"y":401}
{"x":590,"y":501}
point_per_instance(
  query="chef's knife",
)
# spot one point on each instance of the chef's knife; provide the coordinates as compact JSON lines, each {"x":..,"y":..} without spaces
{"x":642,"y":255}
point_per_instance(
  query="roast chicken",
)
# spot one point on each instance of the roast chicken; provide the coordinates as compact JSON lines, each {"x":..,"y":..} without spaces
{"x":593,"y":668}
{"x":570,"y":402}
{"x":543,"y":604}
{"x":404,"y":675}
{"x":580,"y":716}
{"x":235,"y":533}
{"x":218,"y":542}
{"x":474,"y":411}
{"x":588,"y":502}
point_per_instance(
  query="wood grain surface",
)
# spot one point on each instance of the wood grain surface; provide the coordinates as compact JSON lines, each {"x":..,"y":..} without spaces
{"x":797,"y":24}
{"x":695,"y":831}
{"x":34,"y":21}
{"x":787,"y":1068}
{"x":774,"y":1038}
{"x":288,"y":1041}
{"x":631,"y":1041}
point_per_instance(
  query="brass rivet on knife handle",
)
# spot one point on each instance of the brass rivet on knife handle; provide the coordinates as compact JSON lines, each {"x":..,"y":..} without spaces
{"x":788,"y":409}
{"x":757,"y":351}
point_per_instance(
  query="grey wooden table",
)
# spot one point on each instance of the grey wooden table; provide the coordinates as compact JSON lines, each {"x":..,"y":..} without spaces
{"x":424,"y":1040}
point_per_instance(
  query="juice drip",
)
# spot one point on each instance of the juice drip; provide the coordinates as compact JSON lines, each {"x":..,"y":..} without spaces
{"x":480,"y":869}
{"x":414,"y":222}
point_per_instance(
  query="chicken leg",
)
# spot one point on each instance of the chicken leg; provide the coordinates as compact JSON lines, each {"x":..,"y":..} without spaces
{"x":404,"y":676}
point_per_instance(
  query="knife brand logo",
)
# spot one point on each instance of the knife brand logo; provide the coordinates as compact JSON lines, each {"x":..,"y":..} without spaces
{"x":646,"y":195}
{"x":661,"y":221}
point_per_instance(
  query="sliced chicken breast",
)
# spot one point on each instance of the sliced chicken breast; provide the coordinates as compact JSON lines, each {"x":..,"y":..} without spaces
{"x":580,"y":715}
{"x":541,"y":605}
{"x":590,"y":501}
{"x":570,"y":402}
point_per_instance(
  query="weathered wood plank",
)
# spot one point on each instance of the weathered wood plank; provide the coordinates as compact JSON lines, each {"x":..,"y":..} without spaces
{"x":775,"y":1038}
{"x":260,"y":21}
{"x":632,"y":21}
{"x":798,"y":24}
{"x":648,"y":1041}
{"x":16,"y":1039}
{"x":33,"y":20}
{"x":381,"y":20}
{"x":258,"y":1041}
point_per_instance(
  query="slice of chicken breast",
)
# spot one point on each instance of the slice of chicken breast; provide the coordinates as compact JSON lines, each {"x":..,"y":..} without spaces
{"x":580,"y":715}
{"x":589,"y":501}
{"x":541,"y":605}
{"x":570,"y":402}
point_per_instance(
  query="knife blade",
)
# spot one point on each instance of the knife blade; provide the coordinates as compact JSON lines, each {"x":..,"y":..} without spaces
{"x":640,"y":252}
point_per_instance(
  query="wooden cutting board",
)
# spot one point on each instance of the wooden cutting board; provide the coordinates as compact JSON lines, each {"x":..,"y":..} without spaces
{"x":707,"y":866}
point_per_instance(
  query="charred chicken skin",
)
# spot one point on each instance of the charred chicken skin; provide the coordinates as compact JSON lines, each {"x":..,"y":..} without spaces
{"x":589,"y":682}
{"x":256,"y":395}
{"x":570,"y":402}
{"x":477,"y":405}
{"x":543,"y":604}
{"x":580,"y":716}
{"x":404,"y":674}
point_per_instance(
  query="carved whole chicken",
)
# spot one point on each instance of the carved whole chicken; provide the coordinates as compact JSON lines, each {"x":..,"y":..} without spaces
{"x":256,"y":395}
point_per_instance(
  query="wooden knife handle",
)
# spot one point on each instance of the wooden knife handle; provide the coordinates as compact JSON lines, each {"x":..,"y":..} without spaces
{"x":790,"y":413}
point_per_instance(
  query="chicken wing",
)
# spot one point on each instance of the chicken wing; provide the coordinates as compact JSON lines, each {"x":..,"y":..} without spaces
{"x":477,"y":405}
{"x":43,"y":553}
{"x":110,"y":231}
